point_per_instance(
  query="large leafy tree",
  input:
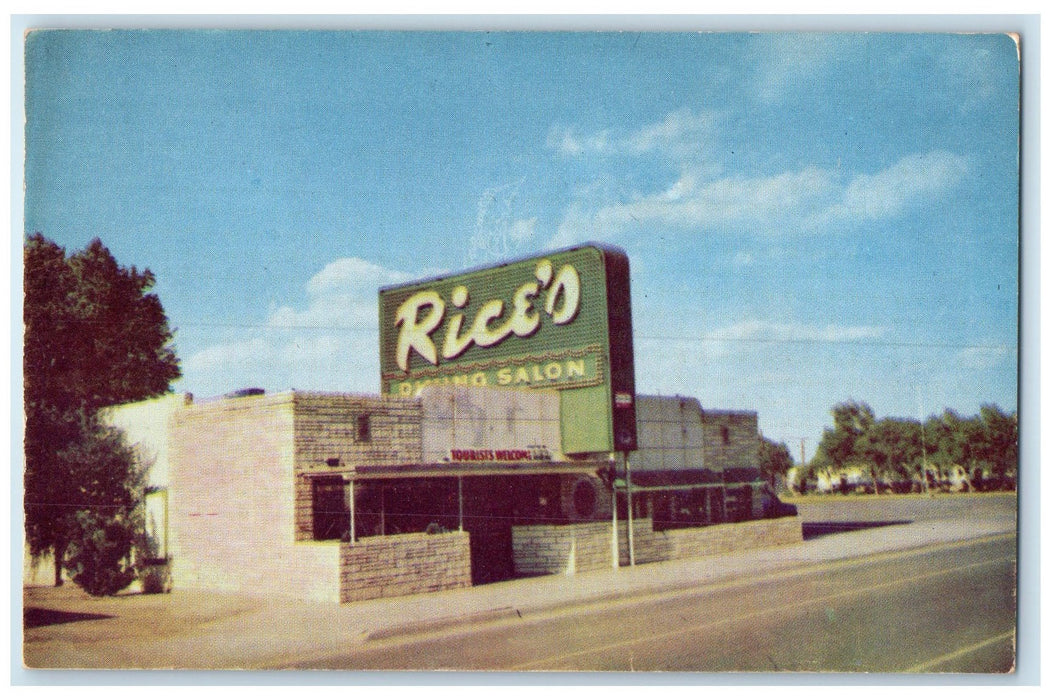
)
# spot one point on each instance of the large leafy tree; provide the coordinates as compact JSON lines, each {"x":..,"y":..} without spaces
{"x":94,"y":336}
{"x":893,"y":448}
{"x":838,"y":446}
{"x":106,"y":484}
{"x":998,"y":447}
{"x":904,"y":451}
{"x":953,"y":441}
{"x":774,"y":459}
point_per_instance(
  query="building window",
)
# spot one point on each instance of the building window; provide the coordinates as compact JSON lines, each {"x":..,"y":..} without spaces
{"x":329,"y":505}
{"x":725,"y":432}
{"x":363,"y":429}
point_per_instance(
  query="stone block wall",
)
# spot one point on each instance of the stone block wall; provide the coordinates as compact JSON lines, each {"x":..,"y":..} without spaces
{"x":729,"y":537}
{"x":731,"y":441}
{"x":561,"y":549}
{"x":397,"y":565}
{"x":650,"y":546}
{"x":327,"y":440}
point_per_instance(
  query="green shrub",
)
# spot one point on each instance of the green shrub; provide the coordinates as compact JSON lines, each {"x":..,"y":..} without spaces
{"x":99,"y":555}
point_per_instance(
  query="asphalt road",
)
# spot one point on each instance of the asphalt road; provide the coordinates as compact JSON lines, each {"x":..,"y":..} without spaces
{"x":944,"y":608}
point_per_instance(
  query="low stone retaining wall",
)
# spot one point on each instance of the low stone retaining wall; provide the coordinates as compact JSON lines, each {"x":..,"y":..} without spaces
{"x":561,"y":549}
{"x":650,"y":546}
{"x":730,"y":537}
{"x":396,"y":565}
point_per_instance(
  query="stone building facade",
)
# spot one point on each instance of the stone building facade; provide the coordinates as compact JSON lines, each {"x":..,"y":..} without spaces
{"x":342,"y":497}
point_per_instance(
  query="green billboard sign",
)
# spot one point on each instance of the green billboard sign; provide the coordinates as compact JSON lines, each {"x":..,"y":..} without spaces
{"x":560,"y":321}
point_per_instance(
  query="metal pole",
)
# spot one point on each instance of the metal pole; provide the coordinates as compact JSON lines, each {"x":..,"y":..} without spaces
{"x":166,"y":524}
{"x":631,"y":509}
{"x":459,"y":498}
{"x":383,"y":509}
{"x":923,"y":444}
{"x":352,"y":511}
{"x":614,"y":539}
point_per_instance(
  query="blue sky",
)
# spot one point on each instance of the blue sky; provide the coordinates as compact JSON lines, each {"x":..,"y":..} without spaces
{"x":809,"y":217}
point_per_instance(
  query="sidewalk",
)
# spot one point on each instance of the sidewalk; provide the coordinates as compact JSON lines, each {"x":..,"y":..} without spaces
{"x":198,"y":630}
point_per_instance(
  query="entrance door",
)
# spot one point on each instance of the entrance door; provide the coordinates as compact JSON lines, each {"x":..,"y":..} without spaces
{"x":488,"y":516}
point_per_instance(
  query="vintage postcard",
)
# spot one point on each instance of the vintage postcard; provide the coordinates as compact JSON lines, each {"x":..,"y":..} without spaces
{"x":688,"y":351}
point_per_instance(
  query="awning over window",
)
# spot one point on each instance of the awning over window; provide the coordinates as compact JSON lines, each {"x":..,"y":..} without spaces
{"x":455,"y":469}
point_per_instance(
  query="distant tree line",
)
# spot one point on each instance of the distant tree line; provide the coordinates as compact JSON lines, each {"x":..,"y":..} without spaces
{"x":905,"y":455}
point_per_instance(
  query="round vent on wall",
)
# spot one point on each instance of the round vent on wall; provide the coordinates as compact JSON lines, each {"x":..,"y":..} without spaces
{"x":585,"y":499}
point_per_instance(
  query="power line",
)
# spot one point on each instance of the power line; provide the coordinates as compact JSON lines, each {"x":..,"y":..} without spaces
{"x":657,"y":338}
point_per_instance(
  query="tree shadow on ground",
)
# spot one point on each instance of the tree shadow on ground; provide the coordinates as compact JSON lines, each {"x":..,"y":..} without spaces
{"x":42,"y":617}
{"x":814,"y":530}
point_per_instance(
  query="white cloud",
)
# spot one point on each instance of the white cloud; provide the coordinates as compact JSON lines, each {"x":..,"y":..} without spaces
{"x":982,"y":357}
{"x":781,"y":200}
{"x":972,"y":74}
{"x":887,"y":193}
{"x":788,"y":60}
{"x":751,"y":332}
{"x":681,"y":133}
{"x":808,"y":200}
{"x":331,"y":344}
{"x":238,"y":352}
{"x":342,"y":294}
{"x":743,"y":259}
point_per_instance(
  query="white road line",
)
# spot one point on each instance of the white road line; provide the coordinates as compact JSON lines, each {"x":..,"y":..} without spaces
{"x":853,"y":592}
{"x":938,"y":661}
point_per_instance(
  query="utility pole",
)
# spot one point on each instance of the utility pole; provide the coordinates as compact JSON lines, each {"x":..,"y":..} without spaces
{"x":923,"y":443}
{"x":801,"y":474}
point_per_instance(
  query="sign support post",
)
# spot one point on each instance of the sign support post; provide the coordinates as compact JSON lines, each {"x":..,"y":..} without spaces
{"x":459,"y":498}
{"x":351,"y":498}
{"x":631,"y":508}
{"x":614,"y":536}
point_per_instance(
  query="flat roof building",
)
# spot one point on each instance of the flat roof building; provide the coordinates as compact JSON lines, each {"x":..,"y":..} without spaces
{"x":343,"y":497}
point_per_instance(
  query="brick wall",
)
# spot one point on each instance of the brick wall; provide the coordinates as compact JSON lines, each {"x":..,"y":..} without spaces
{"x":232,"y":503}
{"x":396,"y":565}
{"x":326,"y":429}
{"x":739,"y":449}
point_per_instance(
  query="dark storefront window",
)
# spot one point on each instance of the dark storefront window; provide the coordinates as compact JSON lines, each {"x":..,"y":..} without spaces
{"x":687,"y":508}
{"x":331,"y":517}
{"x":739,"y":504}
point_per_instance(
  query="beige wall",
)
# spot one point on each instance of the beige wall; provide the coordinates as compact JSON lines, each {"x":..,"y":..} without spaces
{"x":145,"y":425}
{"x":232,"y":505}
{"x":670,"y":433}
{"x":479,"y":418}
